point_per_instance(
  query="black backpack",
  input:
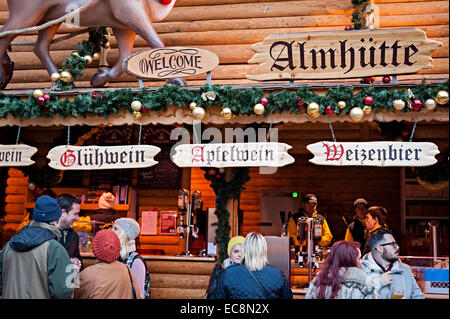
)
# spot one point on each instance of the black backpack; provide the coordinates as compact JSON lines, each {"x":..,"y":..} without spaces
{"x":129,"y":263}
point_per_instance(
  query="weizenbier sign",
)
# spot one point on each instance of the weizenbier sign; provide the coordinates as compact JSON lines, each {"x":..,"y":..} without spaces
{"x":232,"y":155}
{"x":67,"y":157}
{"x":342,"y":54}
{"x":170,"y":62}
{"x":16,"y":155}
{"x":374,"y":153}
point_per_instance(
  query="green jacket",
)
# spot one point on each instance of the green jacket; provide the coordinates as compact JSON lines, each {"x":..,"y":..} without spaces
{"x":34,"y":265}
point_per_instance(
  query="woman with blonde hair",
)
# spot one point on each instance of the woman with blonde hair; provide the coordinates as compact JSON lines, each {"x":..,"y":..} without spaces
{"x":254,"y":278}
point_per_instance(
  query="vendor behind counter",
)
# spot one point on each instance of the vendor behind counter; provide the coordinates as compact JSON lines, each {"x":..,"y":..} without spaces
{"x":106,"y":212}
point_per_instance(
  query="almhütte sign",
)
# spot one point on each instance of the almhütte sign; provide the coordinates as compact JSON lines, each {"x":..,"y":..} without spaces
{"x":67,"y":157}
{"x":170,"y":62}
{"x":342,"y":54}
{"x":233,"y":155}
{"x":412,"y":154}
{"x":16,"y":155}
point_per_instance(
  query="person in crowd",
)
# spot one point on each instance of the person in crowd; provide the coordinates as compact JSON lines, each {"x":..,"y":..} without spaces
{"x":70,"y":207}
{"x":309,"y":209}
{"x":127,"y":229}
{"x":375,"y":220}
{"x":254,"y":278}
{"x":234,"y":250}
{"x":342,"y":277}
{"x":106,"y":214}
{"x":107,"y":278}
{"x":356,"y":230}
{"x":33,"y":264}
{"x":393,"y":279}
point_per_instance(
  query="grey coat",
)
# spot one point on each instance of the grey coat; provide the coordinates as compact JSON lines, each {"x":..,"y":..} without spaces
{"x":356,"y":286}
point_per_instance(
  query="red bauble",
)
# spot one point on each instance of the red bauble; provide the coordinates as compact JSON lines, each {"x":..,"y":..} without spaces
{"x":368,"y":100}
{"x":417,"y":105}
{"x":165,"y":1}
{"x":405,"y":133}
{"x":329,"y":110}
{"x":300,"y":103}
{"x":264,"y":101}
{"x":368,"y":80}
{"x":144,"y":109}
{"x":387,"y":79}
{"x":41,"y":101}
{"x":46,"y":97}
{"x":348,"y":27}
{"x":211,"y":172}
{"x":218,"y":176}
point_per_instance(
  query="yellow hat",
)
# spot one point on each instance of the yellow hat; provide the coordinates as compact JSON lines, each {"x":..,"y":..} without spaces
{"x":234,"y":241}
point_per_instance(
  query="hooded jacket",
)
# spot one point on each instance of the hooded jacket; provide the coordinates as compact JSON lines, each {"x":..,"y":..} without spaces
{"x":34,"y":265}
{"x":356,"y":286}
{"x":402,"y":278}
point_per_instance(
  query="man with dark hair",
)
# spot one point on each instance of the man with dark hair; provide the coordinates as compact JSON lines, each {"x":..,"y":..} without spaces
{"x":33,"y":265}
{"x":356,"y":230}
{"x":393,"y":279}
{"x":309,"y":209}
{"x":375,"y":220}
{"x":70,"y":207}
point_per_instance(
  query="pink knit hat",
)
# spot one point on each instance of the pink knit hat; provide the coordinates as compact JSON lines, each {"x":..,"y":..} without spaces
{"x":106,"y":246}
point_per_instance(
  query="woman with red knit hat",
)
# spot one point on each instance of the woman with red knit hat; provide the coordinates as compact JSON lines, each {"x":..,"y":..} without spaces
{"x":107,"y":278}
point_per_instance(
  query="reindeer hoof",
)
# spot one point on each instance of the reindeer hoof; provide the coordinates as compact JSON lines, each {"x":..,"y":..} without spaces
{"x":100,"y":79}
{"x":177,"y":81}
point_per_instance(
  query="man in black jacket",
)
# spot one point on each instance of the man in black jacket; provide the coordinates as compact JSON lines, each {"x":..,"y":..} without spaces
{"x":356,"y":230}
{"x":69,"y":238}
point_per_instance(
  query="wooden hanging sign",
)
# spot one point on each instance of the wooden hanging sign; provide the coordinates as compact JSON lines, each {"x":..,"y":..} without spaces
{"x":170,"y":62}
{"x":16,"y":155}
{"x":233,"y":155}
{"x":411,"y":154}
{"x":342,"y":54}
{"x":68,"y":157}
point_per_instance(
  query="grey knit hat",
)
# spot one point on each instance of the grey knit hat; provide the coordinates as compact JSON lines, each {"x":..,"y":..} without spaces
{"x":129,"y":226}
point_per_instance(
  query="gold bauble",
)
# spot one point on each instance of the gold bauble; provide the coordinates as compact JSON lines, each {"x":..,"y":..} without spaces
{"x":226,"y":113}
{"x":430,"y":104}
{"x":259,"y":109}
{"x":313,"y":110}
{"x":66,"y":76}
{"x":55,"y":77}
{"x":137,"y":115}
{"x":75,"y":54}
{"x":356,"y":114}
{"x":342,"y":105}
{"x":37,"y":94}
{"x":107,"y":45}
{"x":136,"y":106}
{"x":198,"y":113}
{"x":367,"y":109}
{"x":192,"y":106}
{"x":399,"y":104}
{"x":96,"y":56}
{"x":88,"y":58}
{"x":442,"y":97}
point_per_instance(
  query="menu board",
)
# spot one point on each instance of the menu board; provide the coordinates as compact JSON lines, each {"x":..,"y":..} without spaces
{"x":164,"y":175}
{"x":110,"y":177}
{"x":149,"y":223}
{"x":168,"y":223}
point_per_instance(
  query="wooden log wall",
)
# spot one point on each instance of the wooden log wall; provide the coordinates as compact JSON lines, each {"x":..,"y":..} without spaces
{"x":230,"y":27}
{"x":335,"y":187}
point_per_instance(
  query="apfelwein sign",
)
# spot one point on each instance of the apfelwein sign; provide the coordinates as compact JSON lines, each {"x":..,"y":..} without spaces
{"x":342,"y":54}
{"x":374,"y":153}
{"x":233,"y":155}
{"x":67,"y":157}
{"x":170,"y":62}
{"x":16,"y":155}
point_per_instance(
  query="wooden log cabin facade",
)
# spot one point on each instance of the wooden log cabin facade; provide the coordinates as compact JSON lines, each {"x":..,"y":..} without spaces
{"x":229,"y":28}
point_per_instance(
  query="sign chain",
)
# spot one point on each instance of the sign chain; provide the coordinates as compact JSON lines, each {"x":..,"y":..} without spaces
{"x":413,"y":129}
{"x":140,"y":133}
{"x":18,"y":134}
{"x":68,"y":133}
{"x":331,"y":128}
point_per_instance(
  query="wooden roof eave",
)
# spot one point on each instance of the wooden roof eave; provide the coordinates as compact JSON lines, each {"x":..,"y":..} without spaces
{"x":179,"y":116}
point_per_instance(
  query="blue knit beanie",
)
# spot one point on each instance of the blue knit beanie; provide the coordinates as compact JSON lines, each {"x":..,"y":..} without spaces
{"x":46,"y":209}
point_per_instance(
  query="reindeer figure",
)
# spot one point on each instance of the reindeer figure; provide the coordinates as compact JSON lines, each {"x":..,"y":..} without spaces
{"x":126,"y":18}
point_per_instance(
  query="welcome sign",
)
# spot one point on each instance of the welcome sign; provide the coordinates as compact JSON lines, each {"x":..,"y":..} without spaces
{"x":169,"y":62}
{"x":16,"y":155}
{"x":385,"y":154}
{"x":233,"y":155}
{"x":342,"y":54}
{"x":67,"y":157}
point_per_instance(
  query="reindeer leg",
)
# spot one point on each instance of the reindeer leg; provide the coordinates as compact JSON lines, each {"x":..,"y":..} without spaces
{"x":137,"y":19}
{"x":42,"y":47}
{"x":125,"y":43}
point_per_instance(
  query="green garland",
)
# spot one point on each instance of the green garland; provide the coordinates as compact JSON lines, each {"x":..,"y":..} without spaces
{"x":76,"y":63}
{"x":358,"y":19}
{"x":240,"y":101}
{"x":225,"y":191}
